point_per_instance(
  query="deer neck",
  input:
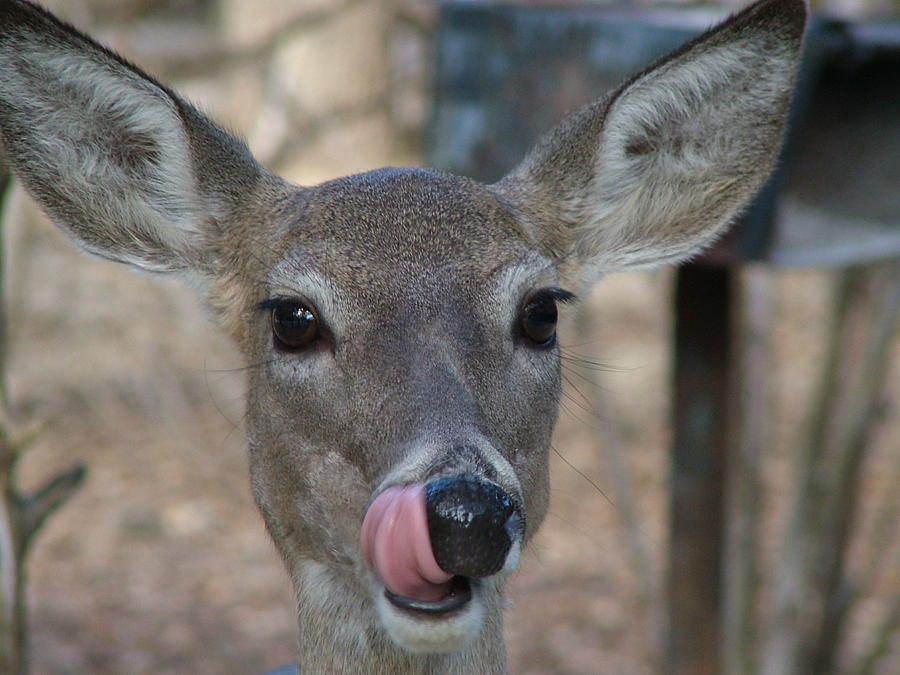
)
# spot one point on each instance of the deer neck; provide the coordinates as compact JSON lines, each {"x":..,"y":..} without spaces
{"x":340,"y":633}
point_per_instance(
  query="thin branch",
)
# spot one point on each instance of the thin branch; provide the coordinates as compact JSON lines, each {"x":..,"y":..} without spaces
{"x":39,"y":505}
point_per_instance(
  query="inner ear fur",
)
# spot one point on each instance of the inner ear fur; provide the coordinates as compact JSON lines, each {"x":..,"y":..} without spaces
{"x":657,"y":170}
{"x":121,"y":163}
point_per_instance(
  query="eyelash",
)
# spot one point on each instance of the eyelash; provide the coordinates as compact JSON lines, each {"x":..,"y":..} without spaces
{"x":561,"y":295}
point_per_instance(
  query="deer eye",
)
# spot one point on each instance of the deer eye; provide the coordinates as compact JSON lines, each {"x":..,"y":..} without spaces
{"x":538,"y":321}
{"x":539,"y":316}
{"x":294,"y":325}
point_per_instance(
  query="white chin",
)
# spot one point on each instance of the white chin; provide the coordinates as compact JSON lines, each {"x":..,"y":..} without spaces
{"x":426,"y":633}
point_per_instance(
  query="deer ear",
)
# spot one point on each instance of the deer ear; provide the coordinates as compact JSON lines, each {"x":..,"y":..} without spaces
{"x":118,"y":161}
{"x":655,"y":171}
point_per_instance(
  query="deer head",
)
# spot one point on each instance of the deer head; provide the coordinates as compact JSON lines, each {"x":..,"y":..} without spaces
{"x":400,"y":324}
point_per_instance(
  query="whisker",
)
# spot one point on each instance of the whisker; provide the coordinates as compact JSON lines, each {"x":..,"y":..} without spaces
{"x":577,"y":403}
{"x":638,"y":529}
{"x":574,"y":371}
{"x":590,"y":537}
{"x":592,"y":364}
{"x":238,"y":369}
{"x":584,"y":403}
{"x":583,"y":421}
{"x":580,"y":344}
{"x":584,"y":476}
{"x":215,"y":403}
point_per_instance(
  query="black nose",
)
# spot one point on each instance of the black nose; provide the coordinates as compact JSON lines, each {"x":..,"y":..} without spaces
{"x":472,"y":524}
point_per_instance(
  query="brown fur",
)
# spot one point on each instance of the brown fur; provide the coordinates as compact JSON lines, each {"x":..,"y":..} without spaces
{"x":418,"y":279}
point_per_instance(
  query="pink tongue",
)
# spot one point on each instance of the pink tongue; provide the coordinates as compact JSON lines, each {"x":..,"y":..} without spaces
{"x":396,"y":543}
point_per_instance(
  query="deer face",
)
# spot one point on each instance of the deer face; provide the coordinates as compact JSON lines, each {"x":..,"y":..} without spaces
{"x":406,"y":337}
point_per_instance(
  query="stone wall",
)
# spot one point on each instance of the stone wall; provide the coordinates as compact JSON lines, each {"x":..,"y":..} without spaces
{"x":319,"y":88}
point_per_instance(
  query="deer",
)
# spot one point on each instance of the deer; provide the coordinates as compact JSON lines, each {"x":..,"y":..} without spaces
{"x":400,"y":324}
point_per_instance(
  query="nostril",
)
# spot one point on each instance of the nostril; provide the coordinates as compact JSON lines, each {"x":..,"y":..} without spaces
{"x":472,"y":524}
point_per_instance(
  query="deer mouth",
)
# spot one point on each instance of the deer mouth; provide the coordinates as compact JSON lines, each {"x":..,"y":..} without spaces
{"x":432,"y":627}
{"x":422,"y":607}
{"x":459,"y":594}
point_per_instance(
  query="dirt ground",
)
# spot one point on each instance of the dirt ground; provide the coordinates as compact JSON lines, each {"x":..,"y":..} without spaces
{"x":161,"y":565}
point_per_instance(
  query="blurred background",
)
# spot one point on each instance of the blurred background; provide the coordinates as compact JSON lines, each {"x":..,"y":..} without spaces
{"x":160,"y":563}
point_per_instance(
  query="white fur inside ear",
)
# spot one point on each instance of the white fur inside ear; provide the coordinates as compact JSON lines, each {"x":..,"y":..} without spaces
{"x":103,"y":149}
{"x":682,"y":148}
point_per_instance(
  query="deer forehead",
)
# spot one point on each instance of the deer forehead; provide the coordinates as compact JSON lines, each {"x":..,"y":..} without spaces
{"x":410,"y":239}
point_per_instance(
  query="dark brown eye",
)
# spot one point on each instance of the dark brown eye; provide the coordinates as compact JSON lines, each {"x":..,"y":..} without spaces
{"x":294,"y":325}
{"x":538,"y":320}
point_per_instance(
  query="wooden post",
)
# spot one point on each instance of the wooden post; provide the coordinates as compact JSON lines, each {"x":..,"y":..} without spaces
{"x":703,"y":336}
{"x":749,"y":425}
